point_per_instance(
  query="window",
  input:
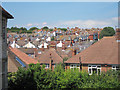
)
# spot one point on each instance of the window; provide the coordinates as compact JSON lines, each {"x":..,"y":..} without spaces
{"x":92,"y":69}
{"x":47,"y":66}
{"x":74,"y":67}
{"x":18,"y":60}
{"x":54,"y":65}
{"x":39,"y":52}
{"x":115,"y":67}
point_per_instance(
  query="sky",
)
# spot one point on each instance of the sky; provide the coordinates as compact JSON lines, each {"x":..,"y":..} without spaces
{"x":62,"y":14}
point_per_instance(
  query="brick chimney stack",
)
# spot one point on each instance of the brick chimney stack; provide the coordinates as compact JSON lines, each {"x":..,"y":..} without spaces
{"x":118,"y":34}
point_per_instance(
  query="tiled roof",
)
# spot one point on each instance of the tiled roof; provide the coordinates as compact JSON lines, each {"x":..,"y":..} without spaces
{"x":27,"y":50}
{"x":21,"y":42}
{"x":104,"y":51}
{"x":45,"y":57}
{"x":23,"y":57}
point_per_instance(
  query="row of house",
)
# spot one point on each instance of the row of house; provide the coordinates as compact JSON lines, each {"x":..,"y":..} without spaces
{"x":101,"y":56}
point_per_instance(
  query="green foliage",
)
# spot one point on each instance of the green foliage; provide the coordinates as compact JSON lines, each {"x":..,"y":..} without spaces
{"x":29,"y":31}
{"x":52,"y":38}
{"x":51,"y":29}
{"x":23,"y":29}
{"x":17,"y":30}
{"x":36,"y":77}
{"x":46,"y":28}
{"x":63,"y":29}
{"x":33,"y":28}
{"x":65,"y":58}
{"x":107,"y":31}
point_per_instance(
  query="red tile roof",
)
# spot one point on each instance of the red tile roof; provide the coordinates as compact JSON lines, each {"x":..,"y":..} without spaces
{"x":104,"y":51}
{"x":24,"y":57}
{"x":45,"y":57}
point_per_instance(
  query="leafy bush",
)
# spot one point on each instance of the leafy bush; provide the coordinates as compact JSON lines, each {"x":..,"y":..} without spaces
{"x":36,"y":77}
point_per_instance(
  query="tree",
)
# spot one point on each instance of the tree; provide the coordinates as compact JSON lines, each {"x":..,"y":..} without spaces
{"x":33,"y":28}
{"x":46,"y":28}
{"x":36,"y":77}
{"x":63,"y":29}
{"x":107,"y":31}
{"x":15,"y":28}
{"x":52,"y":38}
{"x":23,"y":29}
{"x":51,"y":29}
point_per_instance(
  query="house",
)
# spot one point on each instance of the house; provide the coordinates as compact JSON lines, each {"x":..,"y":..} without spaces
{"x":50,"y":58}
{"x":101,"y":56}
{"x":43,"y":45}
{"x":21,"y":43}
{"x":48,"y":39}
{"x":59,"y":44}
{"x":14,"y":45}
{"x":93,"y":35}
{"x":29,"y":45}
{"x":19,"y":58}
{"x":4,"y":16}
{"x":29,"y":51}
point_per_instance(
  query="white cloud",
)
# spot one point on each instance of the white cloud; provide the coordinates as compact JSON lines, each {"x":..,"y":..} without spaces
{"x":115,"y":18}
{"x":44,"y":23}
{"x":29,"y":24}
{"x":89,"y":23}
{"x":78,"y":23}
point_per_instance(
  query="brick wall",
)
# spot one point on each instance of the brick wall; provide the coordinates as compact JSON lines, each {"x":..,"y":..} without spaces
{"x":90,"y":37}
{"x":85,"y":67}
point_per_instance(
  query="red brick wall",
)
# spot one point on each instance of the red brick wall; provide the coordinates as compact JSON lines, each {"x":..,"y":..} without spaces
{"x":105,"y":68}
{"x":85,"y":68}
{"x":67,"y":67}
{"x":90,"y":37}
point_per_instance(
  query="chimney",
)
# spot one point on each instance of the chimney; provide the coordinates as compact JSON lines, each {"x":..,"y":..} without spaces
{"x":51,"y":61}
{"x":118,"y":34}
{"x":42,"y":48}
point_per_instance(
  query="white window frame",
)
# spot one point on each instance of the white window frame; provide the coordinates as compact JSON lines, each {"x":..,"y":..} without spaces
{"x":47,"y":66}
{"x":73,"y":66}
{"x":115,"y":67}
{"x":39,"y":52}
{"x":98,"y":67}
{"x":54,"y":65}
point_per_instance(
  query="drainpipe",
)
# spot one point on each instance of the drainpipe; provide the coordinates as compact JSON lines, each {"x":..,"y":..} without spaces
{"x":51,"y":61}
{"x":80,"y":64}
